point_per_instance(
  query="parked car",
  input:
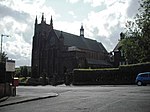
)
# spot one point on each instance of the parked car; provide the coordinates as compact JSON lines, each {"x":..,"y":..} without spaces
{"x":143,"y":79}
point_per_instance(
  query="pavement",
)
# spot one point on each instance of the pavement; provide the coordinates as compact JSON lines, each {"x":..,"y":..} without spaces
{"x":99,"y":98}
{"x":22,"y":98}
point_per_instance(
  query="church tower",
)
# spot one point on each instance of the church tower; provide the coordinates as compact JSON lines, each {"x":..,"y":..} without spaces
{"x":82,"y":31}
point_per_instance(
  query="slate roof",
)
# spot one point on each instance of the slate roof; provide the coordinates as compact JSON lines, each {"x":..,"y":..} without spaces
{"x":81,"y":42}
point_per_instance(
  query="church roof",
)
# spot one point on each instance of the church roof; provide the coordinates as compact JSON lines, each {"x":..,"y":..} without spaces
{"x":81,"y":42}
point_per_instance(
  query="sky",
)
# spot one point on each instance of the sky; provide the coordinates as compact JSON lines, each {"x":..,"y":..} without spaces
{"x":103,"y":20}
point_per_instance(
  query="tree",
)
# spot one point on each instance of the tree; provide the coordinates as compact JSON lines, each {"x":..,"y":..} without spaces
{"x":24,"y":71}
{"x":136,"y":44}
{"x":130,"y":50}
{"x":17,"y":72}
{"x":3,"y":57}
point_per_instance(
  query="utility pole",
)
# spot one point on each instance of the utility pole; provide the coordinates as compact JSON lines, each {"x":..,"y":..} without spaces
{"x":2,"y":35}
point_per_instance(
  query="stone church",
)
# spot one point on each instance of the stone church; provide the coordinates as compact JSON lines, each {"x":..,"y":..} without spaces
{"x":56,"y":52}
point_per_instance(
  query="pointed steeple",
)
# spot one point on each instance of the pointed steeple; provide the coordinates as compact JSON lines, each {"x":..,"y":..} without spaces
{"x":36,"y":21}
{"x":51,"y":22}
{"x":82,"y":31}
{"x":42,"y":19}
{"x":35,"y":25}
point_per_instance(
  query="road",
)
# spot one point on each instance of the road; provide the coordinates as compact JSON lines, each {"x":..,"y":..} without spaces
{"x":122,"y":98}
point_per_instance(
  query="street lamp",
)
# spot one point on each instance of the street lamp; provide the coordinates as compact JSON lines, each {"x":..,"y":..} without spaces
{"x":2,"y":35}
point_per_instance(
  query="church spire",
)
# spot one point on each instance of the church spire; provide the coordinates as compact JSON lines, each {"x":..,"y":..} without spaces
{"x":51,"y":22}
{"x":42,"y":19}
{"x":36,"y":20}
{"x":35,"y":25}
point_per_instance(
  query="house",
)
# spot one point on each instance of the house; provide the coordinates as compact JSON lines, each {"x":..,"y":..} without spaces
{"x":119,"y":57}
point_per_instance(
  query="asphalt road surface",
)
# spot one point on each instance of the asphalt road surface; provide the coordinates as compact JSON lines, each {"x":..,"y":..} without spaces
{"x":120,"y":98}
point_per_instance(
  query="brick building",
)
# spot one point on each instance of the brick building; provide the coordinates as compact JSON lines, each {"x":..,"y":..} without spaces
{"x":119,"y":56}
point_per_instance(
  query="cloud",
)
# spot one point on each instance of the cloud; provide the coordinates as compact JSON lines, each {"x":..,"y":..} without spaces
{"x":106,"y":25}
{"x":17,"y":19}
{"x":17,"y":24}
{"x":103,"y":26}
{"x":18,"y":16}
{"x":72,"y":1}
{"x":72,"y":14}
{"x":18,"y":50}
{"x":94,"y":3}
{"x":133,"y":8}
{"x":108,"y":3}
{"x":70,"y":27}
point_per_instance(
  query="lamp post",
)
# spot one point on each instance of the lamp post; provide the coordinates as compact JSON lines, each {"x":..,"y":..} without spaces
{"x":2,"y":35}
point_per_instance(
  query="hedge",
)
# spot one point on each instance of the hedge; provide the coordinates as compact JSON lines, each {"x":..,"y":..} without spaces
{"x":122,"y":75}
{"x":129,"y":72}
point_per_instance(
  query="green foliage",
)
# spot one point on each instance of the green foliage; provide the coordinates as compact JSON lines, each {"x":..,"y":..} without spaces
{"x":95,"y":76}
{"x":131,"y":50}
{"x":23,"y":80}
{"x":136,"y":44}
{"x":3,"y":57}
{"x":96,"y":69}
{"x":23,"y":71}
{"x":122,"y":75}
{"x":17,"y":72}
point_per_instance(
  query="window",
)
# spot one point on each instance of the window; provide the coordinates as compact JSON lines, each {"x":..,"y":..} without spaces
{"x":144,"y":75}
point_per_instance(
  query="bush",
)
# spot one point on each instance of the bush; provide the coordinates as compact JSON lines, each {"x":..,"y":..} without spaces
{"x":128,"y":73}
{"x":95,"y":76}
{"x":122,"y":75}
{"x":23,"y":80}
